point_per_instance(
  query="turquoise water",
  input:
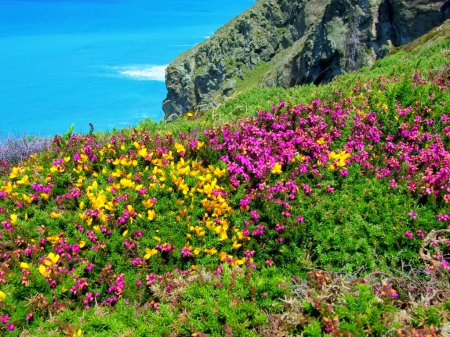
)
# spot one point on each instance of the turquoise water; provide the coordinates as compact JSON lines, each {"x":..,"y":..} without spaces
{"x":100,"y":62}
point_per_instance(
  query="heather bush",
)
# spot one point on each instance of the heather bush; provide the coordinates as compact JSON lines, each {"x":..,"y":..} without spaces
{"x":15,"y":149}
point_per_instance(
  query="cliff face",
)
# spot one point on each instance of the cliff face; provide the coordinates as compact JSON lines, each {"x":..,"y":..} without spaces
{"x":290,"y":42}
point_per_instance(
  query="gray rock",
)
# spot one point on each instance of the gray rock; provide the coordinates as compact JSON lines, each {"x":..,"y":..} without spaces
{"x":304,"y":41}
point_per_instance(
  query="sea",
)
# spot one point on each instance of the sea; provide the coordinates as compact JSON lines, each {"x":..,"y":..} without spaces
{"x":65,"y":63}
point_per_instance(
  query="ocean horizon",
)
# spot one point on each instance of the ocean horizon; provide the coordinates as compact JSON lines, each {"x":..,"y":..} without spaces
{"x":94,"y":61}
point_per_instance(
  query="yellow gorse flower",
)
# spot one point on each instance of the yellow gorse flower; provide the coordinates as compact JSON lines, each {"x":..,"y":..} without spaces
{"x":339,"y":158}
{"x":54,"y":215}
{"x":24,"y":180}
{"x":43,"y":270}
{"x":149,"y":253}
{"x":179,"y":147}
{"x":15,"y":172}
{"x":52,"y":259}
{"x":27,"y":199}
{"x":24,"y":265}
{"x":151,"y":214}
{"x":148,"y":203}
{"x":48,"y":261}
{"x":276,"y":169}
{"x":53,"y":238}
{"x":211,"y":251}
{"x":200,"y":145}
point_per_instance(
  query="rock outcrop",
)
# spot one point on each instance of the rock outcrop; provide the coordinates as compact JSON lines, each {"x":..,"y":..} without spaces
{"x":290,"y":42}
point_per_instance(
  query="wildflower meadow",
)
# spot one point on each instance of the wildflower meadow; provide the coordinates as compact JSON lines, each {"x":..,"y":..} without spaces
{"x":323,"y":217}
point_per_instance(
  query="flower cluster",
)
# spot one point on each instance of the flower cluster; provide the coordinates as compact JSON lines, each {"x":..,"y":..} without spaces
{"x":75,"y":220}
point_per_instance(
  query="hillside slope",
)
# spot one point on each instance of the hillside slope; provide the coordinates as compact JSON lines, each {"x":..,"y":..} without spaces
{"x":314,"y":210}
{"x":285,"y":43}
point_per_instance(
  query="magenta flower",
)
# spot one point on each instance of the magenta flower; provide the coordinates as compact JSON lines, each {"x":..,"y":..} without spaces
{"x":409,"y":235}
{"x":413,"y":215}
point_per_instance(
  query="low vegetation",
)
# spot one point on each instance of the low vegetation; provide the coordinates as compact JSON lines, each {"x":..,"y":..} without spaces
{"x":310,"y":211}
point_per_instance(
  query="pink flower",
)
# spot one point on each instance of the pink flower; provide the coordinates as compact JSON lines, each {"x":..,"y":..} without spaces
{"x":413,"y":215}
{"x":409,"y":235}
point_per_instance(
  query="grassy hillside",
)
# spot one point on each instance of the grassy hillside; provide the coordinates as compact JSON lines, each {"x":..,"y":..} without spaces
{"x":310,"y":211}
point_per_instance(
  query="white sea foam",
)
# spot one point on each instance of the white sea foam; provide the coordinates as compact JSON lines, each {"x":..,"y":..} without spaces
{"x":144,"y":72}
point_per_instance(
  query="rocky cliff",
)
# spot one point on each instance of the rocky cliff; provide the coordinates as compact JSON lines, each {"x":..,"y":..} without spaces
{"x":290,"y":42}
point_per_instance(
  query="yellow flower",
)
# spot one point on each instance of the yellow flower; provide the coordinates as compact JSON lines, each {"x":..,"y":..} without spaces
{"x":13,"y":218}
{"x":125,"y":233}
{"x":236,"y":245}
{"x":43,"y":270}
{"x":238,"y":262}
{"x":211,"y":251}
{"x":15,"y":171}
{"x":276,"y":169}
{"x":199,"y":231}
{"x":147,"y":203}
{"x":223,"y":236}
{"x":24,"y":265}
{"x":143,"y":152}
{"x":54,"y":258}
{"x":2,"y":295}
{"x":222,"y":256}
{"x":54,"y":215}
{"x":127,"y":183}
{"x":23,"y":181}
{"x":82,"y":243}
{"x":341,"y":157}
{"x":53,"y":238}
{"x":8,"y":188}
{"x":344,"y":155}
{"x":320,"y":141}
{"x":219,"y":173}
{"x":59,"y":169}
{"x":333,"y":155}
{"x":179,"y":147}
{"x":149,"y":253}
{"x":341,"y":163}
{"x":27,"y":199}
{"x":151,"y":215}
